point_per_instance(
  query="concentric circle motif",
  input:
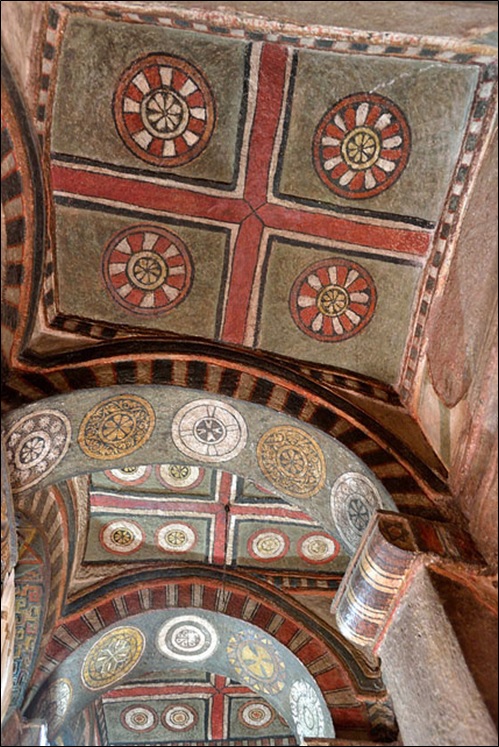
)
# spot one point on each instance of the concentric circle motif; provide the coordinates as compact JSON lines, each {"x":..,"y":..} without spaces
{"x":122,"y":537}
{"x":139,"y":719}
{"x":268,"y":546}
{"x":164,"y":110}
{"x":354,"y":499}
{"x":318,"y":548}
{"x":147,"y":269}
{"x":209,"y":430}
{"x":114,"y":656}
{"x":307,"y":710}
{"x":293,"y":461}
{"x":176,"y":538}
{"x":256,"y":715}
{"x":129,"y":475}
{"x":179,"y":477}
{"x":362,"y":146}
{"x":35,"y":445}
{"x":116,"y":427}
{"x":179,"y":717}
{"x":187,"y":638}
{"x":56,"y":704}
{"x":333,"y":300}
{"x":256,"y":662}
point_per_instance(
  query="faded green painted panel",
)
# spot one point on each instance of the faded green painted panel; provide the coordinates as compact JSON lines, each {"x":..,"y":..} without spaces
{"x":94,"y":56}
{"x":435,"y":99}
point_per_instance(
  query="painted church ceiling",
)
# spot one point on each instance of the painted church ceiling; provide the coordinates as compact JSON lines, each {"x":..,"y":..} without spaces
{"x":213,"y":518}
{"x":287,"y":194}
{"x":196,"y":707}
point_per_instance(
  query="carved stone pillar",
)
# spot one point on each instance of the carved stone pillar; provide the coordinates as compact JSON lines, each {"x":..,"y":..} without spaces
{"x":391,"y":601}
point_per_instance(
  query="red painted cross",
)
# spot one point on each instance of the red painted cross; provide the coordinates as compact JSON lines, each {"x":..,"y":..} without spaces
{"x":219,"y":690}
{"x":252,"y":214}
{"x":218,"y":509}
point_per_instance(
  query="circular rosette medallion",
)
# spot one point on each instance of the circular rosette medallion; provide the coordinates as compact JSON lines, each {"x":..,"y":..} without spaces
{"x":113,"y":657}
{"x":164,"y":110}
{"x":179,"y":718}
{"x":333,"y":300}
{"x":35,"y":445}
{"x":116,"y":427}
{"x":179,"y":477}
{"x":129,"y":475}
{"x":318,"y":548}
{"x":122,"y":537}
{"x":257,"y":662}
{"x":139,"y":719}
{"x":176,"y":538}
{"x":362,"y":146}
{"x":293,"y":461}
{"x":56,"y":703}
{"x":307,"y":711}
{"x":354,"y":499}
{"x":147,"y":270}
{"x":187,"y":638}
{"x":268,"y":546}
{"x":209,"y":430}
{"x":256,"y":715}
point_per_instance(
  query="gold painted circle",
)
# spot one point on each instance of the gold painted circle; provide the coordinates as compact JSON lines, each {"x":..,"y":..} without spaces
{"x":361,"y":148}
{"x":292,"y":461}
{"x":333,"y":300}
{"x":147,"y":270}
{"x":116,"y":427}
{"x":257,"y":663}
{"x":112,"y":658}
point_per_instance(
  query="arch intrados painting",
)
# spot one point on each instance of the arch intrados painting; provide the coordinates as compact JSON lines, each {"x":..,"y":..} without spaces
{"x":158,"y":642}
{"x":94,"y":430}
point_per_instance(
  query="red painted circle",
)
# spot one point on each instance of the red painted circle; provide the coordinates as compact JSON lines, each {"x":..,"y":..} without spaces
{"x":179,"y":717}
{"x":268,"y":545}
{"x":164,"y":110}
{"x":179,"y":478}
{"x":333,"y":300}
{"x":122,"y":537}
{"x":310,"y":552}
{"x":114,"y":476}
{"x":139,"y":719}
{"x":147,"y":269}
{"x":362,"y":146}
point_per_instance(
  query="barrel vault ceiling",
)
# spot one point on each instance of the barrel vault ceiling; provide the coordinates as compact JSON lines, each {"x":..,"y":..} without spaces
{"x":218,"y":201}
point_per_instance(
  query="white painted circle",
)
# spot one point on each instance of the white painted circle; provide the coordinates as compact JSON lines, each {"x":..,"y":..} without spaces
{"x":122,"y":536}
{"x":187,"y":638}
{"x":210,"y":431}
{"x":176,"y":538}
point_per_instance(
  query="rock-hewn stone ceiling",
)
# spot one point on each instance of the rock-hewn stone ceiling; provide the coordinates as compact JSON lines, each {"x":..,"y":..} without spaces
{"x":222,"y":238}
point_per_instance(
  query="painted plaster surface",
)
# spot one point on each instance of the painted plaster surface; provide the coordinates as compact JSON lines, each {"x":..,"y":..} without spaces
{"x":200,"y":706}
{"x":223,"y":521}
{"x":160,"y":640}
{"x":435,"y":129}
{"x":250,"y":141}
{"x":100,"y":71}
{"x":127,"y":430}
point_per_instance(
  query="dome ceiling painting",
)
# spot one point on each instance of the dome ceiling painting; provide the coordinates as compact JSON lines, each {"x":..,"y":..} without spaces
{"x":205,"y":187}
{"x":223,"y":235}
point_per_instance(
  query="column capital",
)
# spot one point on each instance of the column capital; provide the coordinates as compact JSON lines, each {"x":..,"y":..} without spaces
{"x":393,"y":546}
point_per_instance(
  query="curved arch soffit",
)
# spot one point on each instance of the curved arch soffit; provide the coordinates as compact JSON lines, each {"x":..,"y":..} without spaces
{"x":92,"y":430}
{"x":200,"y":640}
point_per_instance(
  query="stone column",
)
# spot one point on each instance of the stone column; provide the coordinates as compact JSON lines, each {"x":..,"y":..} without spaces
{"x":393,"y":601}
